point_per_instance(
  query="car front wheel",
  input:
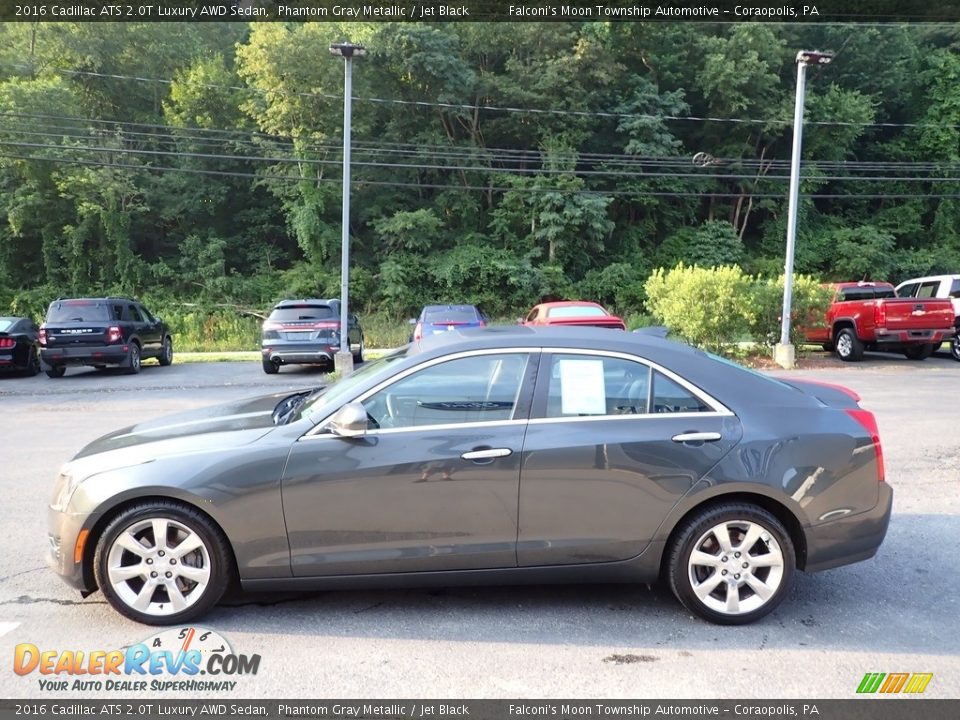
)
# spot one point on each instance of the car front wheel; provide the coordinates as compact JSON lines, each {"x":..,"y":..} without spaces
{"x":731,"y":564}
{"x":162,"y":563}
{"x":56,"y":371}
{"x":919,"y":352}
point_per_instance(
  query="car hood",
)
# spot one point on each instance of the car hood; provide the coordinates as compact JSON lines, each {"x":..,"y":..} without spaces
{"x":216,"y":427}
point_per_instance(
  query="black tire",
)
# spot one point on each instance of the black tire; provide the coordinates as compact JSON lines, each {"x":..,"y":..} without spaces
{"x":919,"y":352}
{"x":848,"y":346}
{"x":699,"y":531}
{"x":955,"y":349}
{"x":33,"y":364}
{"x":56,"y":371}
{"x":166,"y":352}
{"x":358,"y":356}
{"x":133,"y":360}
{"x":269,"y":366}
{"x":215,"y":555}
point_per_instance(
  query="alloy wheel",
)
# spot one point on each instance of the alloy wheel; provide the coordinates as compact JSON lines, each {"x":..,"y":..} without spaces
{"x":158,"y":566}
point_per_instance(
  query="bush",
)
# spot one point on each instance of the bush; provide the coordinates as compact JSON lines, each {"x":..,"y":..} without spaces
{"x":715,"y":308}
{"x":707,"y":307}
{"x":808,"y":307}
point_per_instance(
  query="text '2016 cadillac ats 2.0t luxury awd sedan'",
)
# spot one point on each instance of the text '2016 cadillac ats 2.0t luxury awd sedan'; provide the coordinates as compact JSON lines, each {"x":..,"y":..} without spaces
{"x":488,"y":456}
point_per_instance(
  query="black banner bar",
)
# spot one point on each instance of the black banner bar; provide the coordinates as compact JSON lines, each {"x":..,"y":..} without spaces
{"x":808,"y":11}
{"x":874,"y":708}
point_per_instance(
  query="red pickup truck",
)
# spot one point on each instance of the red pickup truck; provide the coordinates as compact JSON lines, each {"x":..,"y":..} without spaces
{"x":870,"y":316}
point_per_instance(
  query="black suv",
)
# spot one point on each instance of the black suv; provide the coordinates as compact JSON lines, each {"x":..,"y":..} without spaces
{"x":100,"y":332}
{"x":306,"y":332}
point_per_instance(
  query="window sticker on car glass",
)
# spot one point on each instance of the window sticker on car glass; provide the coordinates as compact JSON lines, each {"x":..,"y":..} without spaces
{"x":582,"y":390}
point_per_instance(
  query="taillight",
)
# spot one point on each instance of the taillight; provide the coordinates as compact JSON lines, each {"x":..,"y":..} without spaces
{"x":418,"y":332}
{"x":114,"y":334}
{"x":7,"y":343}
{"x":880,"y":314}
{"x":483,"y":323}
{"x":42,"y":336}
{"x":869,"y":423}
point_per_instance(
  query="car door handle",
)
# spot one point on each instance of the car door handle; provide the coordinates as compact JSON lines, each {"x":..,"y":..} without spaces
{"x":696,"y":437}
{"x":489,"y":454}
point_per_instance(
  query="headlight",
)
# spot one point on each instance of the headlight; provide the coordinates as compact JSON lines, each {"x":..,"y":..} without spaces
{"x":63,"y":489}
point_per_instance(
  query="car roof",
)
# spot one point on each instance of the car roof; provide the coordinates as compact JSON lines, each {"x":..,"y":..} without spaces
{"x":930,"y":278}
{"x":449,"y":307}
{"x":109,"y":298}
{"x":12,"y":318}
{"x":570,"y":303}
{"x":863,"y":283}
{"x":306,"y":302}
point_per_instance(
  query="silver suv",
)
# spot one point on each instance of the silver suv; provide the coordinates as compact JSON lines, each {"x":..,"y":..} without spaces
{"x":306,"y":332}
{"x":937,"y":286}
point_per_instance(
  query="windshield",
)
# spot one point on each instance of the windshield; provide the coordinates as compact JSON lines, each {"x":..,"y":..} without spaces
{"x":303,"y":312}
{"x":450,"y":315}
{"x":576,"y":311}
{"x":318,"y":403}
{"x":78,"y":311}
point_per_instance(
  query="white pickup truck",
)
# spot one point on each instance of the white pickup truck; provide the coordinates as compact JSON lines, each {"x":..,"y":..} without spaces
{"x":937,"y":286}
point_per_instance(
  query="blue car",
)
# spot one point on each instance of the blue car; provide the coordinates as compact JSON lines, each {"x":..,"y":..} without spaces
{"x":436,"y":319}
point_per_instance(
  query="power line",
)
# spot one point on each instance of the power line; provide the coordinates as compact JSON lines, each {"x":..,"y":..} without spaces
{"x":511,"y":109}
{"x":484,"y":188}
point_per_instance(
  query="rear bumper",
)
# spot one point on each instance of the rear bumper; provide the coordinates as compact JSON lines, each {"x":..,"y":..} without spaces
{"x":300,"y":354}
{"x":849,"y":539}
{"x":87,"y":355}
{"x":913,"y":337}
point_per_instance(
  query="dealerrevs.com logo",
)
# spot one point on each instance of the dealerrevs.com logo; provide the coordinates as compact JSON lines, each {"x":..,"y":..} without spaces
{"x":894,"y":683}
{"x":187,"y":659}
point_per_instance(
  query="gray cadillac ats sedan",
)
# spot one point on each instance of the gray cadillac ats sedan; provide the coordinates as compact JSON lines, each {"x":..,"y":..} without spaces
{"x":491,"y":456}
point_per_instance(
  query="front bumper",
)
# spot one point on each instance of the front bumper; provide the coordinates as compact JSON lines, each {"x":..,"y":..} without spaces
{"x":63,"y":530}
{"x":849,"y":539}
{"x":90,"y":355}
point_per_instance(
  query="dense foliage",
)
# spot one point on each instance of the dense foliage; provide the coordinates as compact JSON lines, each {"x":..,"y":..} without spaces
{"x":200,"y":163}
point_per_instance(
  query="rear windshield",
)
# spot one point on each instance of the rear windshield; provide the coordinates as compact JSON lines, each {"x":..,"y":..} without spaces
{"x":455,"y":314}
{"x":867,"y":293}
{"x":303,"y":312}
{"x":6,"y":324}
{"x":78,"y":311}
{"x":576,"y":311}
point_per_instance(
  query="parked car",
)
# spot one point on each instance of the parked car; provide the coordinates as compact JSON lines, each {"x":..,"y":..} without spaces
{"x":99,"y":332}
{"x":938,"y":286}
{"x":870,"y":316}
{"x":307,"y":332}
{"x":434,"y":319}
{"x":575,"y":313}
{"x":490,"y":456}
{"x":19,"y":345}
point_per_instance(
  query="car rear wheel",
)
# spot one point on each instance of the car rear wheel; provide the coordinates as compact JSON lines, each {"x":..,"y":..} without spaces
{"x":161,"y":563}
{"x":269,"y":366}
{"x":955,"y":349}
{"x":919,"y":352}
{"x":56,"y":371}
{"x":731,"y":564}
{"x":848,"y":346}
{"x":133,"y":360}
{"x":33,"y":364}
{"x":166,"y":352}
{"x":358,"y":356}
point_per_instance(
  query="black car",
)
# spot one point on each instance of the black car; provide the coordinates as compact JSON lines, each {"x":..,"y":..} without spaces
{"x":307,"y":332}
{"x":19,"y":345}
{"x":99,"y":332}
{"x":489,"y":456}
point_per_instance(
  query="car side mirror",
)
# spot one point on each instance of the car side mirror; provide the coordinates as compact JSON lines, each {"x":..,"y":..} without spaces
{"x":519,"y":321}
{"x":349,"y":421}
{"x":411,"y":321}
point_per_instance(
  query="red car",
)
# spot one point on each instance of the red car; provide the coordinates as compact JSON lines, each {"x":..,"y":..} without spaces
{"x":574,"y":313}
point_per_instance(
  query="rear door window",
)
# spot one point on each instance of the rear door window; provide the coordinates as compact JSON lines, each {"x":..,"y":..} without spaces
{"x":670,"y":397}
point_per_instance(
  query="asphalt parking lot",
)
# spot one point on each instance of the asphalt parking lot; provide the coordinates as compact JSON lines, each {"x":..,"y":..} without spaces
{"x":895,"y":613}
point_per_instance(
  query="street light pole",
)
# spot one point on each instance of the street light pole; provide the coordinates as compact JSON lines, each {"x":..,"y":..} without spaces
{"x":784,"y":352}
{"x":343,"y":361}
